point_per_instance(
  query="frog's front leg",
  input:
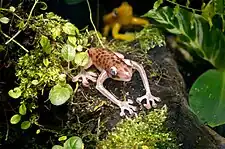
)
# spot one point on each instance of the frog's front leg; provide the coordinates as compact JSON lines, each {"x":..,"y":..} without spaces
{"x":115,"y":33}
{"x":84,"y":76}
{"x":124,"y":105}
{"x":148,"y":96}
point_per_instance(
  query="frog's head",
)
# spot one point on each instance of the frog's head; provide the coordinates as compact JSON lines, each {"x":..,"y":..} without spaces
{"x":122,"y":14}
{"x":121,"y":72}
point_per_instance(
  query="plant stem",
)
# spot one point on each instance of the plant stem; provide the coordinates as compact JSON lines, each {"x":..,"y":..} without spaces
{"x":32,"y":9}
{"x":15,"y":42}
{"x":94,"y":24}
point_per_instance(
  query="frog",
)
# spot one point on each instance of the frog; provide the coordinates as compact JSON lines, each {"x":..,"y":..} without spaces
{"x":121,"y":17}
{"x":115,"y":66}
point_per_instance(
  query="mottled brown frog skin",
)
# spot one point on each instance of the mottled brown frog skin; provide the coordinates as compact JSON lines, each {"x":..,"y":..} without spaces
{"x":104,"y":59}
{"x":113,"y":65}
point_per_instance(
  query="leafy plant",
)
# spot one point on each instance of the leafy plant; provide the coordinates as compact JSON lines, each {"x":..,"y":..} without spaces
{"x":198,"y":35}
{"x":58,"y":46}
{"x":72,"y":143}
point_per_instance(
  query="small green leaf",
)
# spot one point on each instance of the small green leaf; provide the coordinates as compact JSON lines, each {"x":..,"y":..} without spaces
{"x":58,"y":95}
{"x":15,"y":119}
{"x":81,"y":58}
{"x":62,"y":138}
{"x":22,"y":109}
{"x":15,"y":93}
{"x":34,"y":82}
{"x":72,"y":40}
{"x":46,"y":62}
{"x":25,"y":125}
{"x":45,"y":43}
{"x":20,"y":25}
{"x":70,"y":29}
{"x":38,"y":131}
{"x":57,"y":147}
{"x":56,"y":32}
{"x":4,"y":20}
{"x":2,"y":48}
{"x":74,"y":143}
{"x":12,"y":9}
{"x":157,"y":4}
{"x":79,"y":48}
{"x":68,"y":52}
{"x":62,"y":77}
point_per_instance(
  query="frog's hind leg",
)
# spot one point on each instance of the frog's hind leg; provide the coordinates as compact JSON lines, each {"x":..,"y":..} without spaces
{"x":117,"y":35}
{"x":106,"y":30}
{"x":124,"y":105}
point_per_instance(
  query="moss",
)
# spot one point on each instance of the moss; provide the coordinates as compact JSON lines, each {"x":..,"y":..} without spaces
{"x":145,"y":131}
{"x":146,"y":39}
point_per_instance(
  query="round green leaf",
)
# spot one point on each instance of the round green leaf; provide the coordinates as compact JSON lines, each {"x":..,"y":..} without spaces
{"x":70,"y":29}
{"x":22,"y":109}
{"x":34,"y":82}
{"x":4,"y":20}
{"x":207,"y":97}
{"x":12,"y":9}
{"x":72,"y":40}
{"x":45,"y":44}
{"x":59,"y":94}
{"x":74,"y":143}
{"x":15,"y":119}
{"x":81,"y":58}
{"x":15,"y":93}
{"x":57,"y":147}
{"x":56,"y":32}
{"x":38,"y":131}
{"x":62,"y":138}
{"x":68,"y":52}
{"x":25,"y":125}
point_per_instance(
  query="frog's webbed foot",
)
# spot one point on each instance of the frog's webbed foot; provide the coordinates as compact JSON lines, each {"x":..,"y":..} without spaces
{"x":149,"y":97}
{"x":125,"y":105}
{"x":84,"y":76}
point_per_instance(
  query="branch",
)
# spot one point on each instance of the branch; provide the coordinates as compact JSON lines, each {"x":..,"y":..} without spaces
{"x":32,"y":9}
{"x":15,"y":42}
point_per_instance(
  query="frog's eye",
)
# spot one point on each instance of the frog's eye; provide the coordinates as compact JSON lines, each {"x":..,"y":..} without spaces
{"x":113,"y":71}
{"x":115,"y":13}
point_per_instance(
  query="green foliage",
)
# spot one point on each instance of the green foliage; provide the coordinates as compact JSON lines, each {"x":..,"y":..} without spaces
{"x":208,"y":42}
{"x":145,"y":131}
{"x":59,"y":94}
{"x":25,"y":125}
{"x":72,"y":143}
{"x":43,"y":69}
{"x":150,"y":34}
{"x":207,"y":97}
{"x":194,"y":32}
{"x":15,"y":119}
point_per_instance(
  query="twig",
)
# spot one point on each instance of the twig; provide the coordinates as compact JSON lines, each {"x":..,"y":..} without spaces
{"x":7,"y":125}
{"x":15,"y":42}
{"x":94,"y":25}
{"x":183,"y":6}
{"x":32,"y":9}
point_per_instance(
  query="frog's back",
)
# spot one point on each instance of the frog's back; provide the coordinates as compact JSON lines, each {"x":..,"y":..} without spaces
{"x":103,"y":58}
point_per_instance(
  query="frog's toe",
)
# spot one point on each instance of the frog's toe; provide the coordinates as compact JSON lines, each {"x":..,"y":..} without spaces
{"x":149,"y":98}
{"x":125,"y":105}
